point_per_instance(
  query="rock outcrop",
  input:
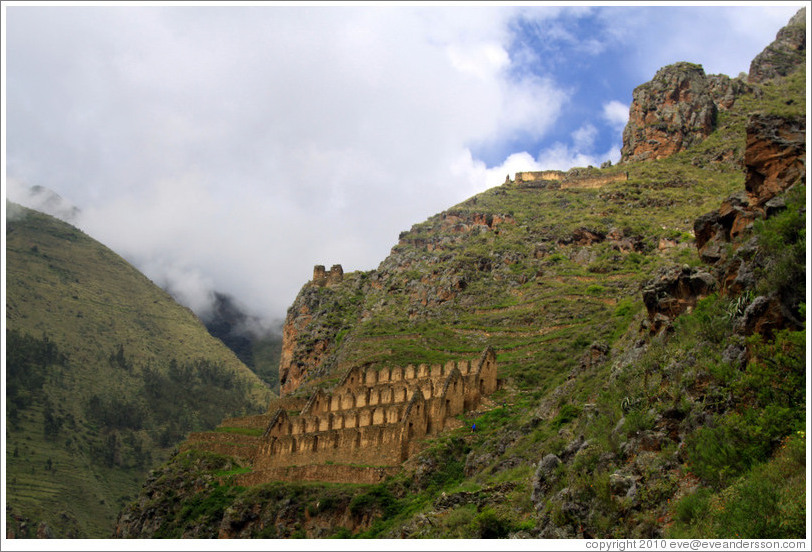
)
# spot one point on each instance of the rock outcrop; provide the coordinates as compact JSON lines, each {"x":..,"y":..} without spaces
{"x":775,"y":160}
{"x":678,"y":107}
{"x":321,"y":310}
{"x":670,"y":113}
{"x":673,"y":292}
{"x":775,"y":155}
{"x":787,"y":52}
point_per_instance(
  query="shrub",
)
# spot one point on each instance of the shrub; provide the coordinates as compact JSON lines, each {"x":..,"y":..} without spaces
{"x":379,"y":497}
{"x":719,"y":454}
{"x":782,"y":239}
{"x":565,"y":415}
{"x":342,"y":533}
{"x":770,"y":501}
{"x":490,"y":525}
{"x":693,"y":507}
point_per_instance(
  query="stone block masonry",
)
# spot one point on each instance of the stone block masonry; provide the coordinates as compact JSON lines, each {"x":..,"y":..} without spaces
{"x":555,"y":180}
{"x":371,"y":419}
{"x":322,"y":277}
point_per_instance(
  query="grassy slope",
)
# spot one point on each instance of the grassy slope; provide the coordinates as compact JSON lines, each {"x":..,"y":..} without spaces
{"x":89,"y":302}
{"x":541,"y":312}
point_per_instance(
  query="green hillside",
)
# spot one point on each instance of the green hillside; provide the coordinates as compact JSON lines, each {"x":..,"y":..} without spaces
{"x":105,"y":375}
{"x":604,"y":426}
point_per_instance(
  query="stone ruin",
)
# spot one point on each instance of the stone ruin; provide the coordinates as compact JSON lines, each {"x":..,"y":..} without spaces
{"x":323,"y":278}
{"x":561,"y":180}
{"x":362,"y":430}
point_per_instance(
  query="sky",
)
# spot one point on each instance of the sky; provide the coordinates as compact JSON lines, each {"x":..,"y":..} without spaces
{"x":233,"y":148}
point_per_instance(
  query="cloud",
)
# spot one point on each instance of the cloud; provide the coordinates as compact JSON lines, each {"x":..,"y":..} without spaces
{"x":483,"y":61}
{"x":233,"y":148}
{"x":722,"y":39}
{"x":562,"y":157}
{"x":616,"y":114}
{"x":41,"y":199}
{"x":584,"y":137}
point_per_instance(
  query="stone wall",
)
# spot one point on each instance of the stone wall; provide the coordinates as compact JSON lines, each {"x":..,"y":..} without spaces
{"x":527,"y":177}
{"x":331,"y":473}
{"x":554,"y":180}
{"x":373,"y":417}
{"x":230,"y":444}
{"x":591,"y":182}
{"x":322,"y":277}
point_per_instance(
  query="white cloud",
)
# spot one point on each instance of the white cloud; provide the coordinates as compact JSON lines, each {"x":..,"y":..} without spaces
{"x":480,"y":177}
{"x":583,"y":139}
{"x":616,"y":114}
{"x":483,"y":61}
{"x":232,"y":148}
{"x":562,"y":157}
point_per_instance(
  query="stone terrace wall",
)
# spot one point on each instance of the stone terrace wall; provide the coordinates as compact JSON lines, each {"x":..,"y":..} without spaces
{"x":318,"y":472}
{"x":366,"y":427}
{"x":594,"y":181}
{"x":537,"y":176}
{"x":374,"y":416}
{"x":240,"y":446}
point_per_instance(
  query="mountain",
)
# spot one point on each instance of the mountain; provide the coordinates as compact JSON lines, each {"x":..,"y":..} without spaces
{"x":106,"y":374}
{"x":48,"y":201}
{"x":255,"y":345}
{"x":648,"y":326}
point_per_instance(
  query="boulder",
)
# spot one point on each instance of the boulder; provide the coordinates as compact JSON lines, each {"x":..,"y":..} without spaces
{"x":673,"y":291}
{"x":543,"y":479}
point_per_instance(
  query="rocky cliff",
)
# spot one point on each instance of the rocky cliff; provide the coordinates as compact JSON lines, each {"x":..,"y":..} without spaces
{"x":679,"y":106}
{"x":786,"y":52}
{"x":675,"y":110}
{"x":642,"y":394}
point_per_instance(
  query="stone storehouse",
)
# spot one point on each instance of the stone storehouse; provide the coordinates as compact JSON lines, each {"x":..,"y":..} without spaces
{"x":362,"y":430}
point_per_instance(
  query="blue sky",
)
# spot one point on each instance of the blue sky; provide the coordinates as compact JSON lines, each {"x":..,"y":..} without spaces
{"x":600,"y":54}
{"x":233,"y":148}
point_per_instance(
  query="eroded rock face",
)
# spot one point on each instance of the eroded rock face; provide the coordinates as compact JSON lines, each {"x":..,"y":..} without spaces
{"x":787,"y":52}
{"x":775,"y":155}
{"x":309,"y":333}
{"x":676,"y":110}
{"x":669,"y":114}
{"x":724,"y":90}
{"x":775,"y":160}
{"x":674,"y":291}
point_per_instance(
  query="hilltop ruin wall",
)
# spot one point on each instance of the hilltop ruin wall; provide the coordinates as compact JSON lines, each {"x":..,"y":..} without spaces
{"x":322,"y":277}
{"x":555,"y":180}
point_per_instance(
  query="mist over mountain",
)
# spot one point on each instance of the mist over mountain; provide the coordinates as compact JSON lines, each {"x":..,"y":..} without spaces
{"x":105,"y":375}
{"x":255,"y":344}
{"x":231,"y":150}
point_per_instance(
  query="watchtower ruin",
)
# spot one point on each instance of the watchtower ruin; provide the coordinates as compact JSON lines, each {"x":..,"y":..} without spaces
{"x":323,"y":278}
